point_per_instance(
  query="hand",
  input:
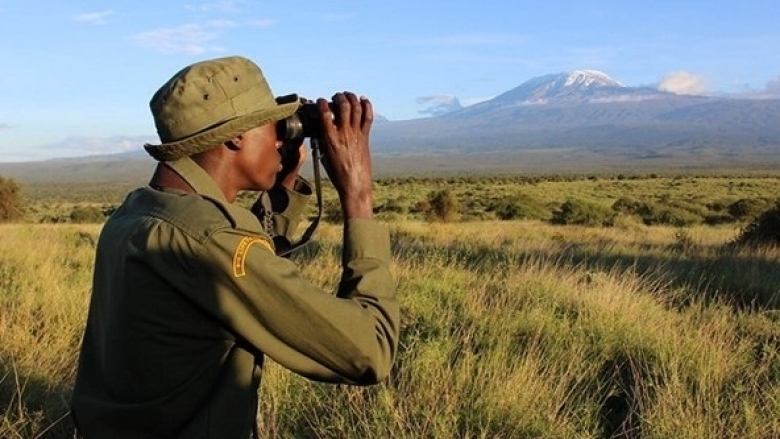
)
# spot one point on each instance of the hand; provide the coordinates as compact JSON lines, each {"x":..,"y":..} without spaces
{"x":346,"y":156}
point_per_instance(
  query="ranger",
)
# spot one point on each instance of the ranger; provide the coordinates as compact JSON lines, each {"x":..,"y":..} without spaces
{"x":189,"y":294}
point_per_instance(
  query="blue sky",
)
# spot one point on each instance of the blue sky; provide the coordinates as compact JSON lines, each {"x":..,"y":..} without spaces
{"x":77,"y":75}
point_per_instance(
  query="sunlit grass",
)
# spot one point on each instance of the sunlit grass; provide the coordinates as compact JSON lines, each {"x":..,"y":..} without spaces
{"x":510,"y":329}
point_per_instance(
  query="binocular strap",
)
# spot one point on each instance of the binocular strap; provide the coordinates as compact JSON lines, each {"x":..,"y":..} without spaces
{"x":307,"y":235}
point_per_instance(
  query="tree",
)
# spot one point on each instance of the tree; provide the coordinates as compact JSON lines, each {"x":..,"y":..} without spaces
{"x":10,"y":200}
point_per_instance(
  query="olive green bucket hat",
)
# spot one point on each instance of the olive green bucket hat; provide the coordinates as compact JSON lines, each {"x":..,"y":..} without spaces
{"x":210,"y":102}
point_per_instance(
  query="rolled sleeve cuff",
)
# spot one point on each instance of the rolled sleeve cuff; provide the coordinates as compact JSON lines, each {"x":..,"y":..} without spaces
{"x":366,"y":239}
{"x":286,"y":222}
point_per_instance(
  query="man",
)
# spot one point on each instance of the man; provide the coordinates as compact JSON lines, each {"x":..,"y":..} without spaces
{"x":188,"y":293}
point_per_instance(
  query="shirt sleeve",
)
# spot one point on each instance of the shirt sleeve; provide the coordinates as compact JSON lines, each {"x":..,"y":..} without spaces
{"x":281,"y":210}
{"x":351,"y":336}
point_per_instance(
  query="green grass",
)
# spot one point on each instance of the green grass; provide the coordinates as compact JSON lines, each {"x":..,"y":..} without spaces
{"x":653,"y":199}
{"x":510,"y":329}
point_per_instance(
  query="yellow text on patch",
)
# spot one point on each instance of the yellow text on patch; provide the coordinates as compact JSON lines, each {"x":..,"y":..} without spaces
{"x":239,"y":257}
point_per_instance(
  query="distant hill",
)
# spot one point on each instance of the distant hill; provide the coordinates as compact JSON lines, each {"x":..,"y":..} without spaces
{"x":589,"y":111}
{"x":125,"y":168}
{"x":575,"y":121}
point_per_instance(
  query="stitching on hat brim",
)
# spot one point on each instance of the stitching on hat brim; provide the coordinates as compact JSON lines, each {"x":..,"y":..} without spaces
{"x":215,"y":136}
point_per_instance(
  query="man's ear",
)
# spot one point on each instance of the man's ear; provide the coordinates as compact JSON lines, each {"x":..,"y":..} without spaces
{"x":234,"y":143}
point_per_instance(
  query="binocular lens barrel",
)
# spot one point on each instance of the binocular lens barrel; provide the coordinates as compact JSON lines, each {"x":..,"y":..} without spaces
{"x":305,"y":122}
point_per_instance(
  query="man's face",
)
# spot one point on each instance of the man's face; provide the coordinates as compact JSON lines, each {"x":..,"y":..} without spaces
{"x":261,"y":160}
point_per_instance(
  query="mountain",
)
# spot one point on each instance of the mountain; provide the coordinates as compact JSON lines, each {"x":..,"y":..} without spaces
{"x":568,"y":89}
{"x":589,"y":112}
{"x":582,"y":120}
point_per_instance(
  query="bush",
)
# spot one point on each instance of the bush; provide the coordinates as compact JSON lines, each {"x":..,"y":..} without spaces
{"x":627,"y":205}
{"x":443,"y":206}
{"x":583,"y":213}
{"x":748,"y":208}
{"x":392,"y":205}
{"x":671,"y":216}
{"x":87,"y":214}
{"x":519,"y":207}
{"x":10,"y":200}
{"x":716,"y":219}
{"x":763,"y":231}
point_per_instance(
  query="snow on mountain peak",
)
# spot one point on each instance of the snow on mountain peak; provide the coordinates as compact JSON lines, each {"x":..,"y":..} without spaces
{"x":577,"y":85}
{"x":588,"y":78}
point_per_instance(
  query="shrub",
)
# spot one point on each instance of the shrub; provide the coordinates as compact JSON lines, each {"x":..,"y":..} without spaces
{"x":671,"y":216}
{"x":519,"y":207}
{"x":627,"y":205}
{"x":393,"y":205}
{"x":444,"y":205}
{"x":583,"y":213}
{"x":87,"y":214}
{"x":421,"y":207}
{"x":763,"y":231}
{"x":747,"y":208}
{"x":10,"y":200}
{"x":715,"y":219}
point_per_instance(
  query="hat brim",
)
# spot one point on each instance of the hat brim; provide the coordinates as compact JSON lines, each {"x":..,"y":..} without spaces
{"x":218,"y":134}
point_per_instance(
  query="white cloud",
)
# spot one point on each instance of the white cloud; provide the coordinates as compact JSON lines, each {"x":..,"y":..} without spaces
{"x":222,"y":23}
{"x":683,"y":83}
{"x":94,"y":17}
{"x":192,"y":39}
{"x":439,"y":104}
{"x":189,"y":39}
{"x":471,"y":101}
{"x":773,"y":87}
{"x":87,"y":145}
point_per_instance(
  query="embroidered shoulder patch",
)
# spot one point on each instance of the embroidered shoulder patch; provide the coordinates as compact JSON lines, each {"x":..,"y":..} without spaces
{"x":239,"y":257}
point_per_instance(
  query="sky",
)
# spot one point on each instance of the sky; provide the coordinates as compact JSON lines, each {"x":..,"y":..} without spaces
{"x":76,"y":76}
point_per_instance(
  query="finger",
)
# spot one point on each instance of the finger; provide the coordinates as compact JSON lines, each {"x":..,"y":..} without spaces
{"x":328,"y":128}
{"x":356,"y":111}
{"x":368,"y":115}
{"x":343,"y":104}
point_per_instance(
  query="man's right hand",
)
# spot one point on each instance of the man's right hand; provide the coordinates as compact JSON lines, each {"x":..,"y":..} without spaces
{"x":346,"y":155}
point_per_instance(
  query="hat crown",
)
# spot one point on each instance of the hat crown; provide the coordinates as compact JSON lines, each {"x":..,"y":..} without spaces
{"x":208,"y":94}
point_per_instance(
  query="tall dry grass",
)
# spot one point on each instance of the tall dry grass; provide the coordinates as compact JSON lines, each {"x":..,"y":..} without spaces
{"x":510,"y":330}
{"x":45,"y":274}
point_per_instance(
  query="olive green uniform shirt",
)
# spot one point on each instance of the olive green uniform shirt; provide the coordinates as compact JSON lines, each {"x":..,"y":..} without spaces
{"x":188,"y":296}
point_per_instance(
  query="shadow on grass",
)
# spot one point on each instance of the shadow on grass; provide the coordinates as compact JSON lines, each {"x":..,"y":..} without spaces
{"x":627,"y":376}
{"x":744,"y":281}
{"x":33,"y":407}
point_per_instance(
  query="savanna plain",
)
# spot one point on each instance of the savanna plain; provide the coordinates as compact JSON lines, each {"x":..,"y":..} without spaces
{"x":577,"y":306}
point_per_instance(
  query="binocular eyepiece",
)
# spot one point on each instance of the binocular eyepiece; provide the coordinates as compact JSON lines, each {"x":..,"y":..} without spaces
{"x":305,"y":122}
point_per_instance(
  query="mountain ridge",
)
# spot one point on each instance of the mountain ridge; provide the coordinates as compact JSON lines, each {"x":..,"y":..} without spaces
{"x":587,"y":109}
{"x":583,"y":115}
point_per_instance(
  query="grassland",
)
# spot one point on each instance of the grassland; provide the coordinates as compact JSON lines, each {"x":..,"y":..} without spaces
{"x":511,"y":328}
